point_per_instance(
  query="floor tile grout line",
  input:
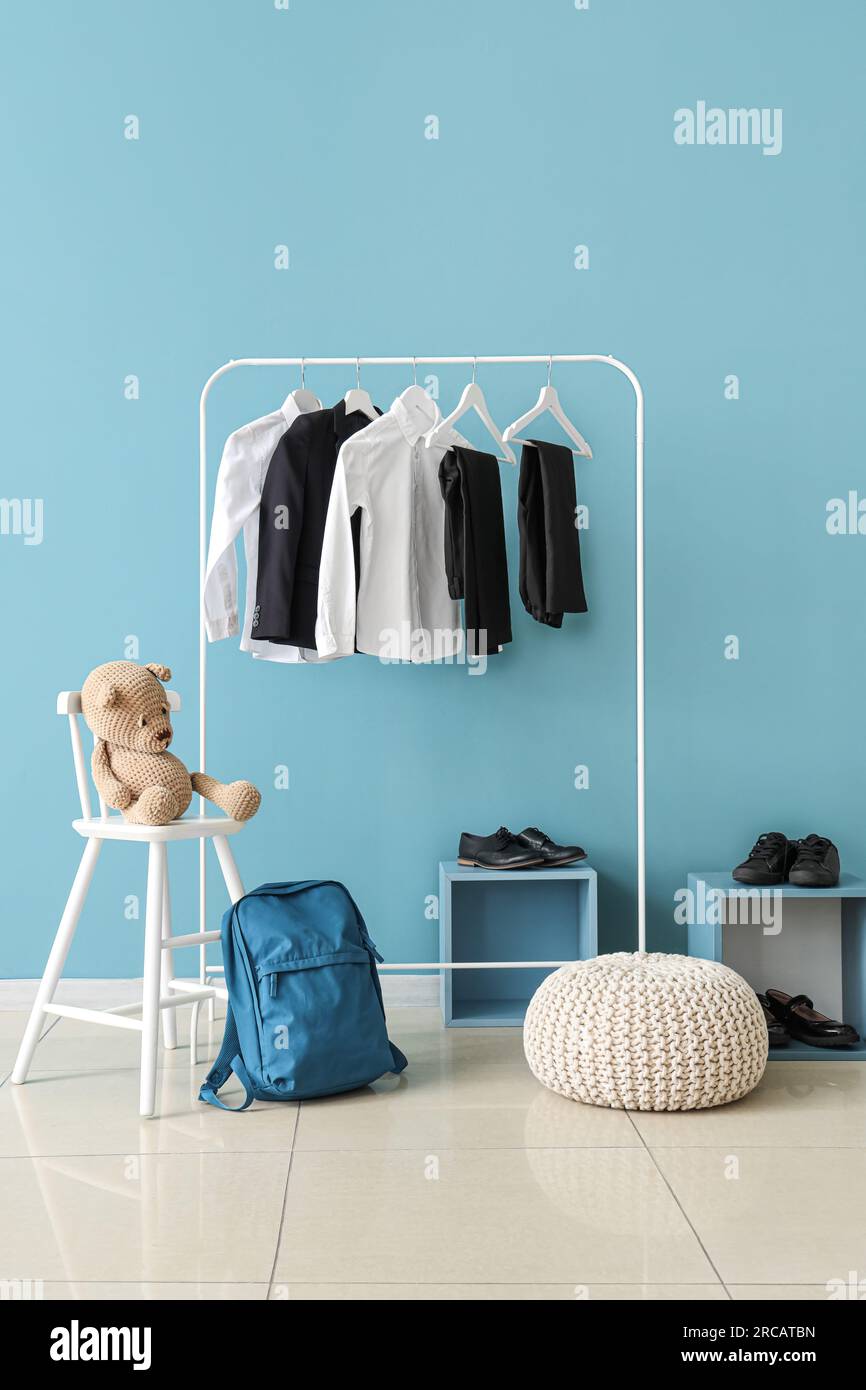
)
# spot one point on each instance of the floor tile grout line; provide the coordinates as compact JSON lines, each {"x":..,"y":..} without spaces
{"x":434,"y":1283}
{"x":572,"y":1148}
{"x":495,"y":1283}
{"x":197,"y":1283}
{"x":649,"y":1286}
{"x":146,"y":1153}
{"x":353,"y":1149}
{"x":679,"y":1204}
{"x":264,"y":1153}
{"x":469,"y":1148}
{"x":282,"y":1216}
{"x":689,"y":1148}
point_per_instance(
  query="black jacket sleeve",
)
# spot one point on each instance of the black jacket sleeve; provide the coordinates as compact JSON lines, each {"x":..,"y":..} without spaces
{"x":281,"y":514}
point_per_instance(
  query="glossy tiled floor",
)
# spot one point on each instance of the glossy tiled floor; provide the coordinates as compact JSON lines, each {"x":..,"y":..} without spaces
{"x":462,"y":1179}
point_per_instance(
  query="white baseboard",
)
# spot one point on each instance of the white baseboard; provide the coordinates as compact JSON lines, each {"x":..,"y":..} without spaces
{"x":85,"y":994}
{"x":398,"y":991}
{"x":404,"y":991}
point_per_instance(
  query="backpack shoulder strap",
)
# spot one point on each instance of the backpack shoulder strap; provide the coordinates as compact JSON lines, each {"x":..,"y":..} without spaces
{"x":228,"y":1061}
{"x":400,"y":1061}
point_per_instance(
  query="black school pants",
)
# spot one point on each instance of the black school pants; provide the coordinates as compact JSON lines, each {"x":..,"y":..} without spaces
{"x":551,"y":582}
{"x":475,"y":560}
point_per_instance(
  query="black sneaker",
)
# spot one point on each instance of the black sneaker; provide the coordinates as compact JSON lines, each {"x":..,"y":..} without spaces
{"x":769,"y":860}
{"x":816,"y":864}
{"x":500,"y":851}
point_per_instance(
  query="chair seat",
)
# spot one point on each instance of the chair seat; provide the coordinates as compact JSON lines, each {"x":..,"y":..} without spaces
{"x":188,"y":828}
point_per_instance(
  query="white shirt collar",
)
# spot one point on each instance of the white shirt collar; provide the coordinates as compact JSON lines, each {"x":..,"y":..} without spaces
{"x":291,"y":409}
{"x":415,"y":413}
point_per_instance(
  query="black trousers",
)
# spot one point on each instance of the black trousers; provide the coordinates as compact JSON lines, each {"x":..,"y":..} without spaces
{"x":551,"y":582}
{"x":475,"y":559}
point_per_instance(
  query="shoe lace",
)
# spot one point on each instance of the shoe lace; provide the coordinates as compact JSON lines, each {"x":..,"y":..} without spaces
{"x":814,"y":848}
{"x":764,"y":848}
{"x":503,"y":836}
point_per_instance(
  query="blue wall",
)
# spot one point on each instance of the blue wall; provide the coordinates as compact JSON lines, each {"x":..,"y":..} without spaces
{"x":306,"y":127}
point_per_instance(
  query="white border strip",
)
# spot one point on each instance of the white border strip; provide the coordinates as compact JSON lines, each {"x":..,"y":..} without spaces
{"x":399,"y":991}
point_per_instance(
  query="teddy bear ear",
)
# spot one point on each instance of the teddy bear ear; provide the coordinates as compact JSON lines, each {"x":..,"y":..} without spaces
{"x":162,"y":673}
{"x":109,"y":696}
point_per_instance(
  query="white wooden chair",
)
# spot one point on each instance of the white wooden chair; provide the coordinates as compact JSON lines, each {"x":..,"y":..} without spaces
{"x":162,"y":993}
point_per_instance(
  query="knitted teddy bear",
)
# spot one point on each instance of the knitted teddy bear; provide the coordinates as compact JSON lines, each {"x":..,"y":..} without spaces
{"x":125,"y":708}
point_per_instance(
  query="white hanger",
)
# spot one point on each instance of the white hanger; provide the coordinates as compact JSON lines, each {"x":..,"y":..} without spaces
{"x":473,"y":397}
{"x":359,"y":399}
{"x":305,"y":400}
{"x":418,"y":402}
{"x":548,"y":400}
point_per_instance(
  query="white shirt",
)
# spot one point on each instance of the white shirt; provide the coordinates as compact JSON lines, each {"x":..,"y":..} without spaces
{"x":404,"y":611}
{"x":239,"y":483}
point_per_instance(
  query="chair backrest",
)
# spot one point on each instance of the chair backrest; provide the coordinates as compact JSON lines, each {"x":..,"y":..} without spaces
{"x":69,"y":703}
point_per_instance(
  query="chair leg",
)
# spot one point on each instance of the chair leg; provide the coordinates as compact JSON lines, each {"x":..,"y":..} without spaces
{"x":152,"y":972}
{"x":169,"y":1016}
{"x":235,"y":890}
{"x":56,"y":959}
{"x":202,"y":950}
{"x":229,"y":867}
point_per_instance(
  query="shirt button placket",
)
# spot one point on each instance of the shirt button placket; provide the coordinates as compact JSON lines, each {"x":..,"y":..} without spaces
{"x":413,"y":550}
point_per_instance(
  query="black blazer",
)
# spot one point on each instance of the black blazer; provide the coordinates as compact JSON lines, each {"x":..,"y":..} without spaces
{"x":292,"y":516}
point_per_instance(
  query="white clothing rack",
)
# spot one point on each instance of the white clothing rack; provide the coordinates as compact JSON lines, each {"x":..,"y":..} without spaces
{"x":472,"y":361}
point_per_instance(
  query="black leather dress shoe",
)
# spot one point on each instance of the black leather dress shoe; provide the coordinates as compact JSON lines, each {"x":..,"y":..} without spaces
{"x":816,"y":864}
{"x":500,"y":851}
{"x":769,"y":860}
{"x":776,"y":1031}
{"x":553,"y":856}
{"x":805,"y":1024}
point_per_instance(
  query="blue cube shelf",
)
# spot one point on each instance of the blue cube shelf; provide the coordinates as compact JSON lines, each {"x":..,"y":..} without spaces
{"x":545,"y":915}
{"x":714,"y":940}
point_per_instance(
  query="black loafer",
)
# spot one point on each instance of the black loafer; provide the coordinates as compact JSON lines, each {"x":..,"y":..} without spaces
{"x":769,"y":860}
{"x":776,"y":1031}
{"x":816,"y":864}
{"x":806,"y":1025}
{"x":553,"y":856}
{"x":500,"y":851}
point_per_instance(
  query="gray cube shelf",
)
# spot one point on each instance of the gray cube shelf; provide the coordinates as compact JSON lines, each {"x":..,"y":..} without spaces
{"x":547,"y":917}
{"x":817,"y":947}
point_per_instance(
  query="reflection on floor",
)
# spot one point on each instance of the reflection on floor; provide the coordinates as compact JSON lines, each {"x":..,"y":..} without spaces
{"x":463,"y":1179}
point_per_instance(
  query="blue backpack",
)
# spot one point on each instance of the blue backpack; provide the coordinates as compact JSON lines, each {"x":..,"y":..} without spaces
{"x":305,"y":1015}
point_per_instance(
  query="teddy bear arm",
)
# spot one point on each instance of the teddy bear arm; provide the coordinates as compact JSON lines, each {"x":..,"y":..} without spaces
{"x":113,"y":792}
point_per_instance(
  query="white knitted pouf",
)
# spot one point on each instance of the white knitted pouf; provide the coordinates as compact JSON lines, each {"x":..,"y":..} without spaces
{"x":646,"y":1032}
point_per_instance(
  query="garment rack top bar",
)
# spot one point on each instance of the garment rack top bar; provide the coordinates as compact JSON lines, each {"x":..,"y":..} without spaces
{"x":542,"y":358}
{"x":407,"y":361}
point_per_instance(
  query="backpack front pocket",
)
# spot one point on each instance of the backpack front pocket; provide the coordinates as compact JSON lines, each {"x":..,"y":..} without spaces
{"x":322,"y":1029}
